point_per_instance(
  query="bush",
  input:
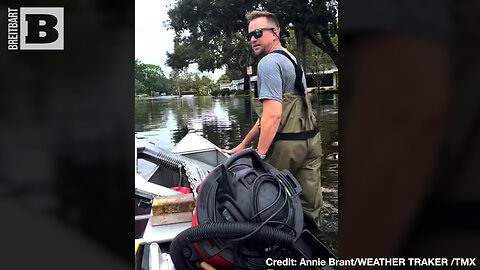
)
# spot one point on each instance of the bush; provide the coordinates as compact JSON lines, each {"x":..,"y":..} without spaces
{"x":242,"y":93}
{"x":188,"y":93}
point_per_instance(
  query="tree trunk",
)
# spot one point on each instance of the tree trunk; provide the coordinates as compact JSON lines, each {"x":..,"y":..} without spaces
{"x":301,"y":46}
{"x":326,"y":46}
{"x":246,"y":82}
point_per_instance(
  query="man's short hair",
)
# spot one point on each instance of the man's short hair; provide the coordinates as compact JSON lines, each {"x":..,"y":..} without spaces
{"x":261,"y":13}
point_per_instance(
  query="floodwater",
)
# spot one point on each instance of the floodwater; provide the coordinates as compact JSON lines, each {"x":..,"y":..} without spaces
{"x":226,"y":120}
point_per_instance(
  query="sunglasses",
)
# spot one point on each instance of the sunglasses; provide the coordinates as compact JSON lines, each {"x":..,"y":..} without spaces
{"x":257,"y":33}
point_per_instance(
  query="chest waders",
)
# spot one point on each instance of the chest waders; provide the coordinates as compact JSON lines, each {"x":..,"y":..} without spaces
{"x":297,"y":145}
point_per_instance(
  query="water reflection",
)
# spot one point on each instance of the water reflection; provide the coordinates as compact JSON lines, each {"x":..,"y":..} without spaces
{"x":223,"y":120}
{"x":226,"y":120}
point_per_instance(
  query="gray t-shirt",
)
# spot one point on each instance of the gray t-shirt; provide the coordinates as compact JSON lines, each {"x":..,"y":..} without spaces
{"x":276,"y":76}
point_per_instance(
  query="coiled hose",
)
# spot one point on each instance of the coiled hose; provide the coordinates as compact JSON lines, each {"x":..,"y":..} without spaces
{"x":165,"y":160}
{"x":225,"y":230}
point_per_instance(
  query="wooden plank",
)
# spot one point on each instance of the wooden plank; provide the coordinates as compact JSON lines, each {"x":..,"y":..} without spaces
{"x":173,"y":204}
{"x":172,"y":218}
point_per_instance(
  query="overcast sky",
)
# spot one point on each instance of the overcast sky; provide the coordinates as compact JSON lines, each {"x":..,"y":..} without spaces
{"x":152,"y":39}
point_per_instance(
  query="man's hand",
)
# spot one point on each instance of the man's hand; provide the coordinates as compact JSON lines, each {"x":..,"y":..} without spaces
{"x":251,"y":136}
{"x":237,"y":149}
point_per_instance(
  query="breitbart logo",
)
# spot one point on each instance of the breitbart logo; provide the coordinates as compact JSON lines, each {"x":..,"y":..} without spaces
{"x":35,"y":28}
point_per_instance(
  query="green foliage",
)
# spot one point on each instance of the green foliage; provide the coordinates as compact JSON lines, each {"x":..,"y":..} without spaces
{"x":211,"y":33}
{"x":313,"y":20}
{"x":215,"y":90}
{"x":150,"y":79}
{"x":140,"y":88}
{"x":235,"y":73}
{"x":184,"y":83}
{"x":317,"y":61}
{"x":242,"y":93}
{"x":224,"y":79}
{"x":203,"y":86}
{"x":188,"y":93}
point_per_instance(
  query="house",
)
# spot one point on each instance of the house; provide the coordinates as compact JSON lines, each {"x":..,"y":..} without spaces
{"x":328,"y":79}
{"x":237,"y":85}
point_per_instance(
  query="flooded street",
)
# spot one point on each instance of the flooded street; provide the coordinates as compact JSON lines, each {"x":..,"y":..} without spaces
{"x":226,"y":120}
{"x":327,"y":117}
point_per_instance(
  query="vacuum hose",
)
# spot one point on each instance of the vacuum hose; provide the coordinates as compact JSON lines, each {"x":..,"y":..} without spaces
{"x":225,"y":230}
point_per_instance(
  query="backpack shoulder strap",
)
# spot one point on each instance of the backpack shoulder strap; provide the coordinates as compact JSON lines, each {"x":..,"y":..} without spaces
{"x":298,"y":72}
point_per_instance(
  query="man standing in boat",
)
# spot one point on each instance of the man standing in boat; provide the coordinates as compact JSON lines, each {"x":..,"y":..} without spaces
{"x":287,"y":132}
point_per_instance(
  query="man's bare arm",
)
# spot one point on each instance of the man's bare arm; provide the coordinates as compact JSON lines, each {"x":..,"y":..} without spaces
{"x":272,"y":114}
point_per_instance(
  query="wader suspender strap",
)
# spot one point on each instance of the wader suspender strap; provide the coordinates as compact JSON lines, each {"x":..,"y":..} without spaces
{"x":298,"y":73}
{"x":301,"y":90}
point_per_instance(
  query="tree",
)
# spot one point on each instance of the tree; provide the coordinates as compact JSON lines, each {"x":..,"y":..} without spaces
{"x":173,"y":84}
{"x":203,"y":85}
{"x":152,"y":77}
{"x":224,"y":79}
{"x":317,"y":61}
{"x":315,"y":20}
{"x":140,"y":88}
{"x":211,"y":33}
{"x":183,"y":82}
